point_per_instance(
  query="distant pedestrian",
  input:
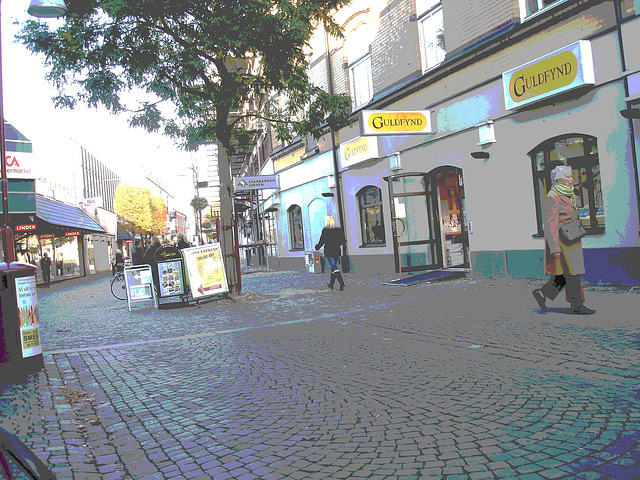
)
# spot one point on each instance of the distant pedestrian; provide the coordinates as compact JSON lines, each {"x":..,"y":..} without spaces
{"x":45,"y":266}
{"x":118,"y":262}
{"x":181,"y":242}
{"x":138,"y":253}
{"x":149,"y":259}
{"x":563,"y":260}
{"x":332,"y":237}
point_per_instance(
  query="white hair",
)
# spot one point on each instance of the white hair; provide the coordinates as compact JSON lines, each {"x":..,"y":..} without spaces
{"x":329,"y":221}
{"x":560,"y":172}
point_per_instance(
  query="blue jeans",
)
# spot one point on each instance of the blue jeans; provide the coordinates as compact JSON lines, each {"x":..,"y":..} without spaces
{"x":333,"y":263}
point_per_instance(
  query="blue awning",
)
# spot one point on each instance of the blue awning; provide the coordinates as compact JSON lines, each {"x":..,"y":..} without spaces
{"x":60,"y":214}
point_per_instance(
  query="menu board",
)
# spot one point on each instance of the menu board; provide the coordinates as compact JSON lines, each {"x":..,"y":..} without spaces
{"x":205,"y":270}
{"x":170,"y":278}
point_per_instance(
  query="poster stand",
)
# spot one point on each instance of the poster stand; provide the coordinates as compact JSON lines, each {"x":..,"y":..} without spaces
{"x":205,"y":272}
{"x":139,"y":282}
{"x":171,"y":281}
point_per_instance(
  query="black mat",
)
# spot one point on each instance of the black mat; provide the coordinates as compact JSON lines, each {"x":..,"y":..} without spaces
{"x":426,"y":277}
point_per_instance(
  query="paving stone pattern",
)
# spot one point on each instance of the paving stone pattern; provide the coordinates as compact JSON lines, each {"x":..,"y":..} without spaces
{"x":463,"y":379}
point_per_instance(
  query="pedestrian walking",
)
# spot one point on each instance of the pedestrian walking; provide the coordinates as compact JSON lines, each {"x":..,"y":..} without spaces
{"x":564,"y":260}
{"x":332,"y":237}
{"x":45,"y":266}
{"x":138,"y":253}
{"x":149,"y":259}
{"x":118,"y":262}
{"x":181,"y":242}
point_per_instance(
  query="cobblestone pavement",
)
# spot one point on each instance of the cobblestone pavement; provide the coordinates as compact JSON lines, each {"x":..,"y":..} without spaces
{"x":462,"y":379}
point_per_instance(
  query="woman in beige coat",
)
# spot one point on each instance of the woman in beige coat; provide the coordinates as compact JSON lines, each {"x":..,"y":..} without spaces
{"x":564,"y":262}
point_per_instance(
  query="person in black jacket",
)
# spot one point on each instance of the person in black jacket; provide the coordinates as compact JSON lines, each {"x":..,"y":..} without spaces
{"x":332,"y":238}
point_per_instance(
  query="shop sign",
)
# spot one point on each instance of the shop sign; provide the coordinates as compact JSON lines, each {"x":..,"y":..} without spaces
{"x":20,"y":165}
{"x":47,"y":235}
{"x":128,"y":241}
{"x":205,"y":270}
{"x":28,"y":315}
{"x":358,"y":150}
{"x":560,"y":71}
{"x":385,"y":122}
{"x":74,"y":233}
{"x":288,"y":160}
{"x":28,"y":227}
{"x":94,"y":202}
{"x":261,"y":182}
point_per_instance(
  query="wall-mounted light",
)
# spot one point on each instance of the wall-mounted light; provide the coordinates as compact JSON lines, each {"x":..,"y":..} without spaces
{"x":327,"y":194}
{"x":480,"y":155}
{"x":331,"y":182}
{"x":486,"y":133}
{"x":630,"y":113}
{"x":395,"y":162}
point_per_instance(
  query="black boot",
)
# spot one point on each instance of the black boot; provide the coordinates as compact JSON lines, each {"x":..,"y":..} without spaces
{"x":332,"y":281}
{"x":340,"y":281}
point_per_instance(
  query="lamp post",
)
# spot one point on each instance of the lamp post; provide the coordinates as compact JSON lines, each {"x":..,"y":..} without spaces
{"x":41,"y":9}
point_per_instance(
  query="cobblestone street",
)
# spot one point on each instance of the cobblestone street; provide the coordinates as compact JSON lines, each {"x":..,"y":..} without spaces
{"x":462,"y":379}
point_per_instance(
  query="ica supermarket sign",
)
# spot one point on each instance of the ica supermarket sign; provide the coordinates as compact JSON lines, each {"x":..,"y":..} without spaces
{"x":565,"y":69}
{"x":384,"y":122}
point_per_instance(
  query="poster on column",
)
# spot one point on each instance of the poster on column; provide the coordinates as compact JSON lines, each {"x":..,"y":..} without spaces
{"x":205,"y":270}
{"x":28,"y":314}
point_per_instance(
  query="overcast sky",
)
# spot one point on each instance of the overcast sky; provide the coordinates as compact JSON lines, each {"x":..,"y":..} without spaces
{"x":28,"y":107}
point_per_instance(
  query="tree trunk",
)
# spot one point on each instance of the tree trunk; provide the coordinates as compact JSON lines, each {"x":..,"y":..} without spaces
{"x":226,"y":220}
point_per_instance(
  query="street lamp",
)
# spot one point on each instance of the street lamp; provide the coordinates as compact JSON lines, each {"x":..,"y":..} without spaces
{"x":42,"y":9}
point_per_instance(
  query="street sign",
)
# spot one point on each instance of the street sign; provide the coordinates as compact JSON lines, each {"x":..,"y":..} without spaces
{"x":261,"y":182}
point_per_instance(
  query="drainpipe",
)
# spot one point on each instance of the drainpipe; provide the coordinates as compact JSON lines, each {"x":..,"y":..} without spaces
{"x":630,"y":120}
{"x":334,"y":147}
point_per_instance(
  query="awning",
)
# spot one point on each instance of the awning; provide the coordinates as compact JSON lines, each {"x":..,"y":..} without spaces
{"x":57,"y":217}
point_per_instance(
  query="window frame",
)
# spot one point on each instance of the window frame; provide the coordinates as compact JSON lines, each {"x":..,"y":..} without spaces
{"x":542,"y":177}
{"x":366,"y":61}
{"x":294,"y":217}
{"x":541,"y":7}
{"x":367,"y":241}
{"x":437,"y":50}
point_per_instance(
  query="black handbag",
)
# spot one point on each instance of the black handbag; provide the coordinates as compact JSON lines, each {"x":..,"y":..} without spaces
{"x":572,"y":231}
{"x":344,"y":261}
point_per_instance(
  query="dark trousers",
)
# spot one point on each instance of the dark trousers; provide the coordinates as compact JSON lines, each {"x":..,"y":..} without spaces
{"x":572,"y":285}
{"x":46,"y":277}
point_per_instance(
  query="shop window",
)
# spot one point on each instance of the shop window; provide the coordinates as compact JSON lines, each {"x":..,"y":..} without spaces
{"x":580,"y":152}
{"x":431,"y":31}
{"x":530,"y":7}
{"x":371,"y":218}
{"x":296,"y":230}
{"x":357,"y":50}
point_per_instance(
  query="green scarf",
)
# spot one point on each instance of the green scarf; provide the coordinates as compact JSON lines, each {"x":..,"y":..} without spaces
{"x":564,"y":190}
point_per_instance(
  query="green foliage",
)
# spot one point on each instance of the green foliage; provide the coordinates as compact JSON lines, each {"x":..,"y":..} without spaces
{"x":197,"y":61}
{"x":199,"y":203}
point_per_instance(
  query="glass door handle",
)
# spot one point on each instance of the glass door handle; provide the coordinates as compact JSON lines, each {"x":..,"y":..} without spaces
{"x":405,"y":227}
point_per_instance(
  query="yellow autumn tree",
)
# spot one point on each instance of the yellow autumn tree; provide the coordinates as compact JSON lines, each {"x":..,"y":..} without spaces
{"x":158,"y":215}
{"x":133,"y":208}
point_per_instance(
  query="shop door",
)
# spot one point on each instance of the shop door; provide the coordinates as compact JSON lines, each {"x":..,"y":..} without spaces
{"x":451,"y":203}
{"x":415,"y":224}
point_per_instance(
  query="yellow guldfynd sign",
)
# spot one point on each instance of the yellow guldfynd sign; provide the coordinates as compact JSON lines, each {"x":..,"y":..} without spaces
{"x":384,"y":122}
{"x":562,"y":70}
{"x":358,"y":150}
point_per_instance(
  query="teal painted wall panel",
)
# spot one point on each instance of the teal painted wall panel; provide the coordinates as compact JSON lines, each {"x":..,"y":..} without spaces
{"x":488,"y":264}
{"x":525,"y":263}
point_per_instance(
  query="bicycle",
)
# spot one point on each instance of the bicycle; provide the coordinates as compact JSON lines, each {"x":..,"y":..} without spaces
{"x":118,"y":286}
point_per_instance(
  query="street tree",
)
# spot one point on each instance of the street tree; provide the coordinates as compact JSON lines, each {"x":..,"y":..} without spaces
{"x":198,"y":204}
{"x":206,"y":67}
{"x":133,"y":208}
{"x":158,"y":215}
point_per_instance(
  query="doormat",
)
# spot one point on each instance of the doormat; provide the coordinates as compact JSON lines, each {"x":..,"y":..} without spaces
{"x":438,"y":275}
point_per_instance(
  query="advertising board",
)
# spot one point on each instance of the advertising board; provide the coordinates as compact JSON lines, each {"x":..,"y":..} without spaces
{"x":205,"y":270}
